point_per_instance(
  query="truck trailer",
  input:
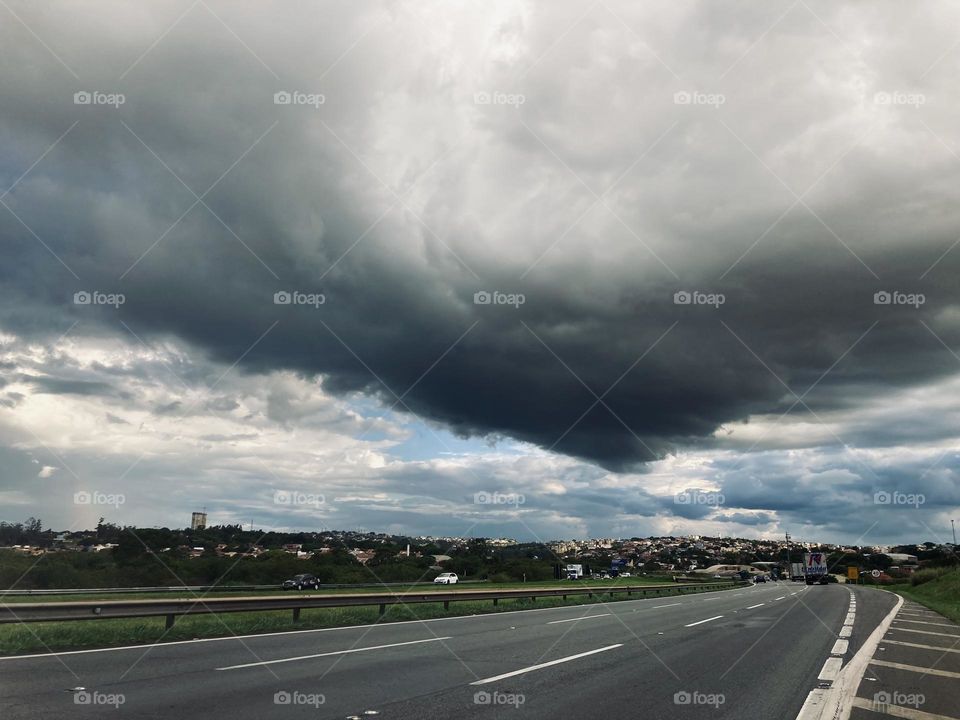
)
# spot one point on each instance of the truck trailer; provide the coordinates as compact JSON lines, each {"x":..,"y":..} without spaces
{"x":815,"y":568}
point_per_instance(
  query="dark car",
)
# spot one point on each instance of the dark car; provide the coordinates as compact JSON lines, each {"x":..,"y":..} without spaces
{"x":301,"y":582}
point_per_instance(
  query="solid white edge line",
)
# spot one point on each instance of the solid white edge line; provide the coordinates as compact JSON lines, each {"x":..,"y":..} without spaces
{"x":334,"y":652}
{"x":577,"y":619}
{"x":663,"y":606}
{"x":837,"y":701}
{"x":320,"y":630}
{"x":700,"y":622}
{"x":546,"y":664}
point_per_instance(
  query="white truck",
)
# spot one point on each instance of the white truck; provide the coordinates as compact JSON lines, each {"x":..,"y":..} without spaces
{"x":815,"y":568}
{"x":574,"y":572}
{"x":796,"y":571}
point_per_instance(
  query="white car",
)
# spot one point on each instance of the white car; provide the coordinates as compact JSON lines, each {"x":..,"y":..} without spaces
{"x":446,"y":579}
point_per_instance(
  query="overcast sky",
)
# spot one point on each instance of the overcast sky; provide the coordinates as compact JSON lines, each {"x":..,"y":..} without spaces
{"x":505,"y":268}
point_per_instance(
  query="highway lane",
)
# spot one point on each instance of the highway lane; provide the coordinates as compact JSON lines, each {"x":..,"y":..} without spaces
{"x":760,"y":648}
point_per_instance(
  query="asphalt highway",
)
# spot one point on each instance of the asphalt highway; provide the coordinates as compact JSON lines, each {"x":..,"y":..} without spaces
{"x":743,"y":653}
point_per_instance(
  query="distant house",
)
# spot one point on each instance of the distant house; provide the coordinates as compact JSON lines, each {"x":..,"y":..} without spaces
{"x":363,"y":556}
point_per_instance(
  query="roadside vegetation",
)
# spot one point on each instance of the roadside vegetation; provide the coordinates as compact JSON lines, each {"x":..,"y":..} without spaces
{"x":45,"y":637}
{"x":229,"y":555}
{"x":937,"y":588}
{"x":372,"y":588}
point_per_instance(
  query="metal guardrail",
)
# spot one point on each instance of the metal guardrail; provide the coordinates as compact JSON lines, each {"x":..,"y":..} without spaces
{"x":94,"y":610}
{"x":200,"y":588}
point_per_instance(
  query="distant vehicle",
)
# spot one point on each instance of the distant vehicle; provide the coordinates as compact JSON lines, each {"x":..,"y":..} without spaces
{"x":759,"y":579}
{"x":574,"y":572}
{"x":815,"y":568}
{"x":301,"y":582}
{"x":796,"y":571}
{"x":446,"y":579}
{"x":625,"y":575}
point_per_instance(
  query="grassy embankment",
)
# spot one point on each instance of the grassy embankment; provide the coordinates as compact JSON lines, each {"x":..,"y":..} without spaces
{"x":937,"y":588}
{"x":41,"y":637}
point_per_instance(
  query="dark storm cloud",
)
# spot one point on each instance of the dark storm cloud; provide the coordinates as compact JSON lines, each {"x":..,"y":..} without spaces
{"x":599,"y":317}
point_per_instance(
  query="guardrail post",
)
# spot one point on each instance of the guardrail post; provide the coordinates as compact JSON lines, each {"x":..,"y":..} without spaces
{"x":296,"y":614}
{"x":383,"y":608}
{"x":495,"y":600}
{"x":446,"y":604}
{"x":533,"y":599}
{"x":170,"y":621}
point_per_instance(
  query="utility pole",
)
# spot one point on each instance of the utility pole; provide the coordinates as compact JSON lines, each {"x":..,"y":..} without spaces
{"x":954,"y":528}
